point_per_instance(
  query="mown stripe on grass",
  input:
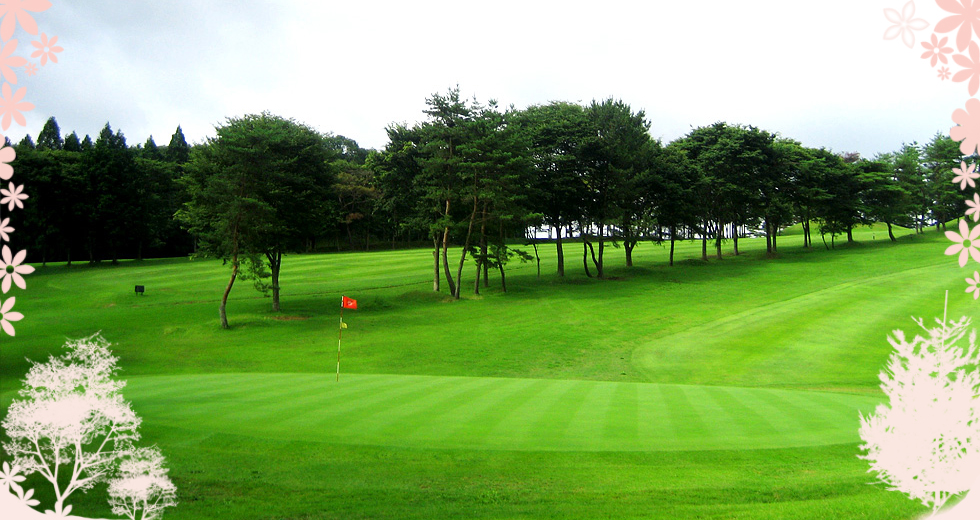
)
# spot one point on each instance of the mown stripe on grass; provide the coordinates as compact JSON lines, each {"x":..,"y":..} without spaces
{"x":621,"y":422}
{"x":492,"y":413}
{"x":765,"y":344}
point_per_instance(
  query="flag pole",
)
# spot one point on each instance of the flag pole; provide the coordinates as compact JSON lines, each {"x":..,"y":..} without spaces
{"x":340,"y":333}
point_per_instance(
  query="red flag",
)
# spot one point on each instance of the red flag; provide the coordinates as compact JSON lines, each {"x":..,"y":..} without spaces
{"x":348,"y":303}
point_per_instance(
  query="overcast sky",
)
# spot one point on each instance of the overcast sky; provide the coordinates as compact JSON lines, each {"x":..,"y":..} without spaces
{"x":818,"y":72}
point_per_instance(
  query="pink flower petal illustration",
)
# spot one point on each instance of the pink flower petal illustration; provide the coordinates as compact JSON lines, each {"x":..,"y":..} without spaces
{"x":905,"y":24}
{"x":46,"y":49}
{"x":11,"y":106}
{"x":936,"y":51}
{"x":974,"y":233}
{"x":15,"y":11}
{"x":968,"y":131}
{"x":966,"y":19}
{"x":8,"y":328}
{"x":892,"y":15}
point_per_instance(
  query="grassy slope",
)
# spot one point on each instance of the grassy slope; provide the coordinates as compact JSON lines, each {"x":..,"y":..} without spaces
{"x":810,"y":319}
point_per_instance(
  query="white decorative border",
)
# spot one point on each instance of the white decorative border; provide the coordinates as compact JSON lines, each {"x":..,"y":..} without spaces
{"x":962,"y":20}
{"x":12,"y":107}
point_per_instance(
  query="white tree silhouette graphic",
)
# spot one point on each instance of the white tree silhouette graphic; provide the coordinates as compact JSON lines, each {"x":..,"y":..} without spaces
{"x":925,"y":441}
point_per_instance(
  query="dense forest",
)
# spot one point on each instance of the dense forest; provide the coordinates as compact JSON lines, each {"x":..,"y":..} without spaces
{"x":471,"y":175}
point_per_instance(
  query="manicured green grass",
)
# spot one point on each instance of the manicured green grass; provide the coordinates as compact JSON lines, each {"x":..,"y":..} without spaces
{"x":721,"y":389}
{"x":498,"y":413}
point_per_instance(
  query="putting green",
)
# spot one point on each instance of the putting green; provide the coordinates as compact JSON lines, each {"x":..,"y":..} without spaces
{"x":497,"y":413}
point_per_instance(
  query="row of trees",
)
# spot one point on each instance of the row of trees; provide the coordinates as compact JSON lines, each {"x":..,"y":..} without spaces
{"x":103,"y":200}
{"x":472,"y":174}
{"x":472,"y":177}
{"x":100,"y":200}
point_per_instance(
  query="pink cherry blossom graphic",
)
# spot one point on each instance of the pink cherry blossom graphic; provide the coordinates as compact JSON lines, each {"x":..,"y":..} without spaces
{"x":12,"y":268}
{"x":11,"y":106}
{"x":971,"y":69}
{"x":943,"y":73}
{"x":936,"y":51}
{"x":15,"y":11}
{"x":905,"y":24}
{"x":46,"y":49}
{"x":7,"y":61}
{"x":13,"y":197}
{"x":5,"y":229}
{"x":974,"y":285}
{"x":7,"y":155}
{"x":965,"y":175}
{"x":966,"y":19}
{"x":973,"y":207}
{"x":31,"y":69}
{"x":968,"y":131}
{"x":6,"y":316}
{"x":966,"y":243}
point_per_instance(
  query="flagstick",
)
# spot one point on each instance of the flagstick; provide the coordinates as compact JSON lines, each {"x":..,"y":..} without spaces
{"x":340,"y":334}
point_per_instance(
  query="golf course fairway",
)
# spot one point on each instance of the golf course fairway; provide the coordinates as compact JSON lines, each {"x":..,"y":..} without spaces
{"x":718,"y":389}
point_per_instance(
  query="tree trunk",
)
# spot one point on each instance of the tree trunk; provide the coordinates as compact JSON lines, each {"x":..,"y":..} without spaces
{"x":704,"y":246}
{"x":275,"y":263}
{"x":224,"y":298}
{"x":768,"y":237}
{"x":850,"y":237}
{"x":719,"y":232}
{"x":435,"y":261}
{"x":484,"y":254}
{"x":536,"y":257}
{"x":500,"y":260}
{"x":735,"y":238}
{"x":503,"y":277}
{"x":890,"y":234}
{"x":445,"y":264}
{"x":629,"y":252}
{"x":824,"y":238}
{"x":595,"y":262}
{"x":673,"y":230}
{"x":466,"y":246}
{"x":561,"y":254}
{"x":445,"y":255}
{"x":602,"y":246}
{"x":585,"y":257}
{"x":486,"y":267}
{"x":476,"y":281}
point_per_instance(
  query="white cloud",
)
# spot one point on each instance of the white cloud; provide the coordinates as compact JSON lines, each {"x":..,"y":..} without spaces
{"x":820,"y":73}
